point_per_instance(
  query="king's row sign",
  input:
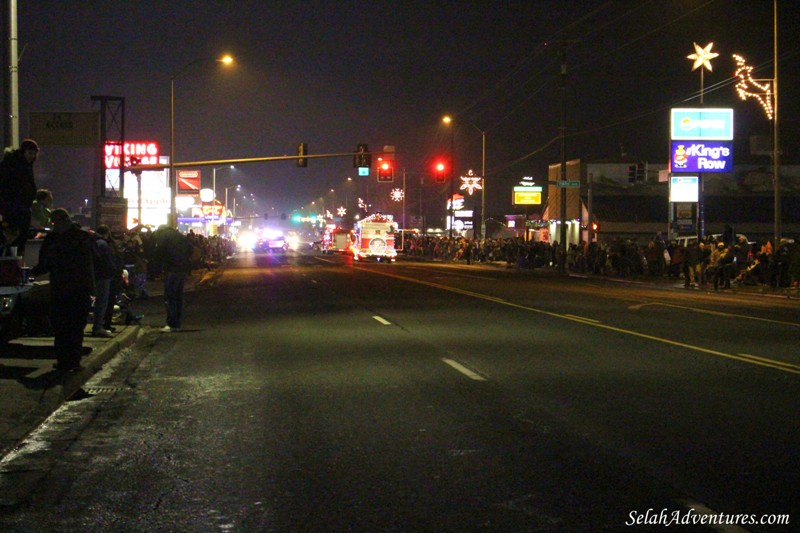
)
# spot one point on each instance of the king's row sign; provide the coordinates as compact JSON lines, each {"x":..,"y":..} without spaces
{"x":701,"y":156}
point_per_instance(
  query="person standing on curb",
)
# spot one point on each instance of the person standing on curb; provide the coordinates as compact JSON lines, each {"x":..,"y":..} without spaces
{"x":174,"y":254}
{"x":18,"y":189}
{"x":66,"y":254}
{"x":104,"y":272}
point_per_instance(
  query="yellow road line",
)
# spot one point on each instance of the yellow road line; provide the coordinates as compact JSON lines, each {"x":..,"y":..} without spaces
{"x":715,"y":313}
{"x":753,"y":360}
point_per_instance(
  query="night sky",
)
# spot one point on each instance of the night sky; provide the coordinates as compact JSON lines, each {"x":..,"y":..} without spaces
{"x":335,"y":74}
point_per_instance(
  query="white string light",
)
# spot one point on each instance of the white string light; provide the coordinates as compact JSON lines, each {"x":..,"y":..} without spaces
{"x":747,"y":86}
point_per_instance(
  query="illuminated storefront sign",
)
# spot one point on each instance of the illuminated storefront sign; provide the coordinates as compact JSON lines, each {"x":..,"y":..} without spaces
{"x":146,"y":152}
{"x":695,"y":124}
{"x":527,"y":195}
{"x":188,"y":181}
{"x":684,"y":189}
{"x":702,"y":156}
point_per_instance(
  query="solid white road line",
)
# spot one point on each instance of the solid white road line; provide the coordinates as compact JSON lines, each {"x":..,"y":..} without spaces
{"x":464,"y":370}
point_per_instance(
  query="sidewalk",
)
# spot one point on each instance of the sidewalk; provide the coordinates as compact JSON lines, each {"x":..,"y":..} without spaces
{"x":31,"y":390}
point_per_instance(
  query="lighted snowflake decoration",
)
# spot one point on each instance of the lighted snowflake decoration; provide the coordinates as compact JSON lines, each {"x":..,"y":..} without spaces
{"x":397,"y":195}
{"x":702,"y":56}
{"x":470,"y":183}
{"x":342,"y":211}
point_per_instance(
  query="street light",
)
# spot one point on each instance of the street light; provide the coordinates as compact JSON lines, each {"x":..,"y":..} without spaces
{"x":449,"y":121}
{"x":226,"y":60}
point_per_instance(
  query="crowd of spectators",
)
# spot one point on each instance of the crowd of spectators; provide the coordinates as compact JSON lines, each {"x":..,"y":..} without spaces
{"x":138,"y":245}
{"x":716,"y":261}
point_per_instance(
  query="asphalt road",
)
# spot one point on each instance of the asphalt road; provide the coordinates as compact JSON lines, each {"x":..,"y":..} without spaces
{"x":307,"y":393}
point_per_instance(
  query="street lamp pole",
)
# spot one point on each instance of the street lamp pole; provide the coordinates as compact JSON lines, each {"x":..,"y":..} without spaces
{"x":449,"y":121}
{"x":214,"y":183}
{"x":483,"y":179}
{"x":173,"y":218}
{"x":226,"y":201}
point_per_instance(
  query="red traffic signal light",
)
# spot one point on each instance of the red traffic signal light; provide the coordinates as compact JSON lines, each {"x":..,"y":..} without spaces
{"x":439,"y":174}
{"x":385,"y":172}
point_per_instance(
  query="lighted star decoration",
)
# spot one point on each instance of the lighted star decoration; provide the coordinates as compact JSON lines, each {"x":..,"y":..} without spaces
{"x":342,"y":211}
{"x":749,"y":87}
{"x":397,"y":195}
{"x":702,"y":56}
{"x":470,"y":183}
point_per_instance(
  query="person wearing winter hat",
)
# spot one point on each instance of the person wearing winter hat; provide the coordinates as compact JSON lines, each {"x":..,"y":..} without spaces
{"x":18,"y":189}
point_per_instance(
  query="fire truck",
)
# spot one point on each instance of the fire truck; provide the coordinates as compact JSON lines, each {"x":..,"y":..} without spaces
{"x":374,"y":238}
{"x":337,"y":240}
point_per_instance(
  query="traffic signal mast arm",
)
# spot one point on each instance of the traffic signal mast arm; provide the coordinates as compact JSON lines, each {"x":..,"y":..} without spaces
{"x":238,"y":161}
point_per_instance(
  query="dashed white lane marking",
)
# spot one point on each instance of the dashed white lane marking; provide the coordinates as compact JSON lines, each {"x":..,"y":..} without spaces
{"x":464,"y":370}
{"x":382,"y":320}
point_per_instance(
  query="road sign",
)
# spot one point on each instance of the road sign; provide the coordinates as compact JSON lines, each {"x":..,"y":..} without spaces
{"x":65,"y":129}
{"x":568,"y":184}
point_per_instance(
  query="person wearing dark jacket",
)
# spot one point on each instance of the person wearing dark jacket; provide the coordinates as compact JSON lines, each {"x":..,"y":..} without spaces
{"x":173,"y":254}
{"x":18,"y":189}
{"x":66,"y":254}
{"x":105,"y":270}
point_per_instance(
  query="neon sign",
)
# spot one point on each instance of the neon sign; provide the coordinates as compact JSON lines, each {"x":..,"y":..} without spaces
{"x":146,"y":152}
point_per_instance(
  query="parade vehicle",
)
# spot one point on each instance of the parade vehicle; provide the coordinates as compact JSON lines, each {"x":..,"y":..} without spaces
{"x":273,"y":242}
{"x":374,"y":238}
{"x":337,"y":240}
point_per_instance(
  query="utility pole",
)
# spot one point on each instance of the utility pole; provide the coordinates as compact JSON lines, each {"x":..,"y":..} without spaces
{"x":11,"y":81}
{"x":562,"y":262}
{"x":776,"y":166}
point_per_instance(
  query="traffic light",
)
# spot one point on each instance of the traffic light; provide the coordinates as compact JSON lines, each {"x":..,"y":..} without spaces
{"x":385,"y":172}
{"x":302,"y":151}
{"x":362,"y":157}
{"x":439,"y":172}
{"x":631,"y":173}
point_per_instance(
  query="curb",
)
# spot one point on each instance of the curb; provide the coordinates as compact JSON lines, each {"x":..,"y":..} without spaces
{"x":95,"y":361}
{"x":64,"y":387}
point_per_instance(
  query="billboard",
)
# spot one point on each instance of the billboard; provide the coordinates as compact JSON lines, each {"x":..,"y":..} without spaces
{"x":65,"y":128}
{"x":695,"y":124}
{"x":701,"y":156}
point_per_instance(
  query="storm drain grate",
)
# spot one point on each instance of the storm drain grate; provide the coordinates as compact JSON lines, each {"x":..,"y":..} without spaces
{"x":102,"y":390}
